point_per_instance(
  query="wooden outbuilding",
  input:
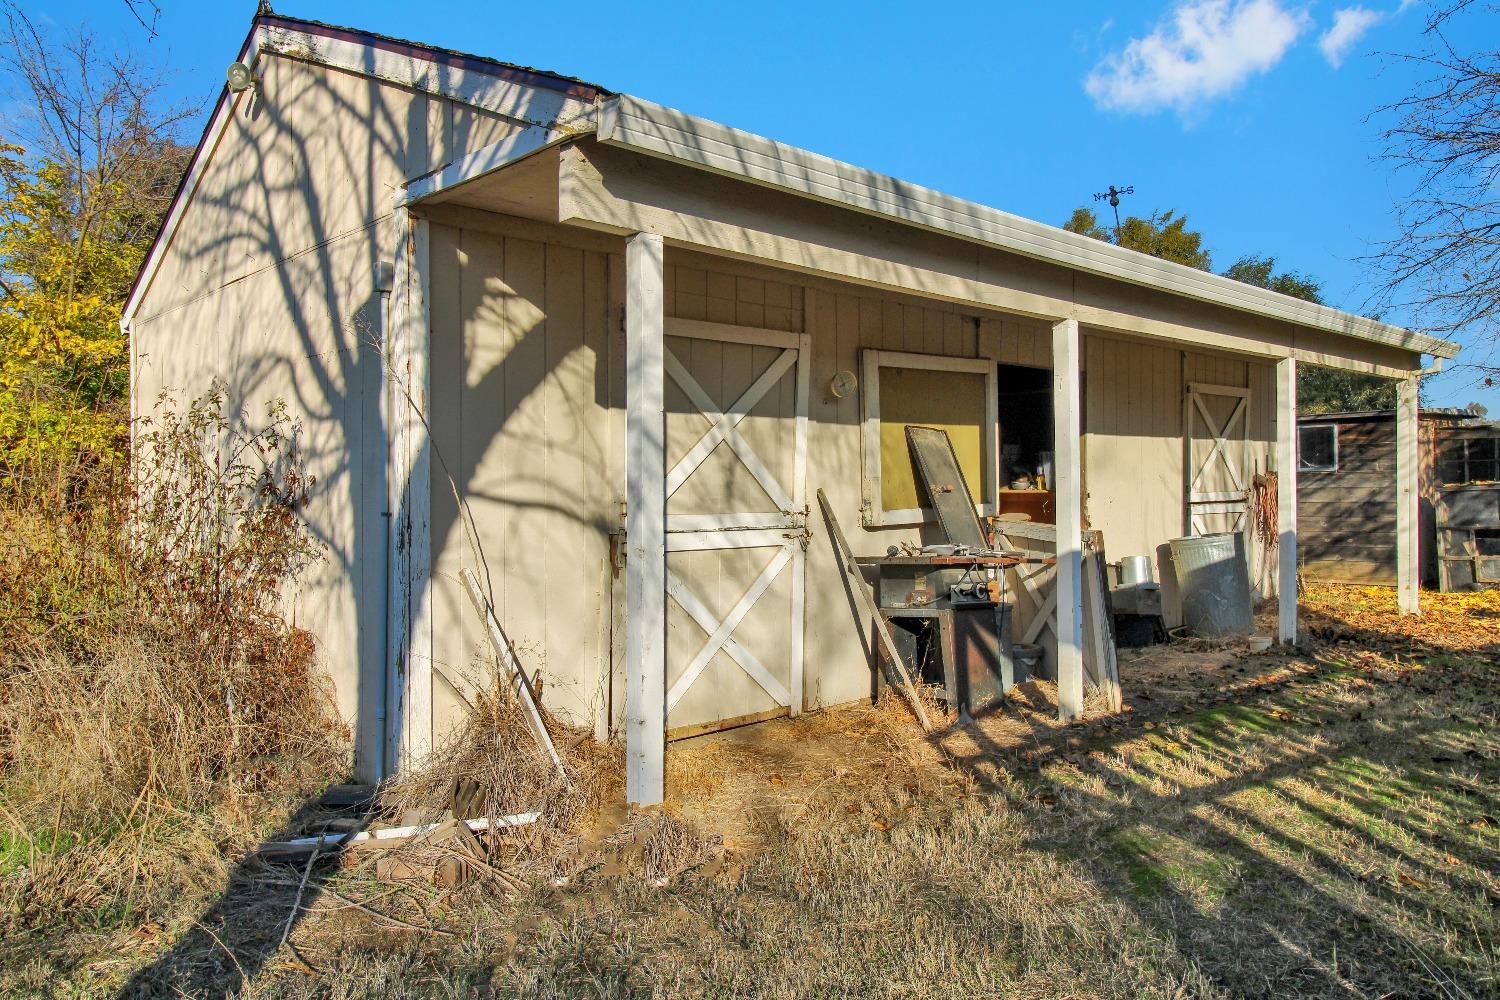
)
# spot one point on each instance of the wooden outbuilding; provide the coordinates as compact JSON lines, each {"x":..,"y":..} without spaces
{"x":602,"y":353}
{"x":1346,"y":500}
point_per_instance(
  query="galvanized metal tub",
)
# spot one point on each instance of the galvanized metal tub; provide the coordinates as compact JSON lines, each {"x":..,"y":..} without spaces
{"x":1213,"y":577}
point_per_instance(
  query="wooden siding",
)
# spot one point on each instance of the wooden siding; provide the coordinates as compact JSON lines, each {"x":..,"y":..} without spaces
{"x":1346,"y":519}
{"x":520,"y":342}
{"x":269,"y":285}
{"x":1134,"y":449}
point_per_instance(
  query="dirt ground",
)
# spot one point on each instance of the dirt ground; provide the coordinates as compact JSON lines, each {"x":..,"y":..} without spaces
{"x":1317,"y":822}
{"x":746,"y":782}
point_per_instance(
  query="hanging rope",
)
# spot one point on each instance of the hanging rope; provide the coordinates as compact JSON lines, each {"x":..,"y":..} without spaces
{"x":1264,"y":520}
{"x":1264,"y":514}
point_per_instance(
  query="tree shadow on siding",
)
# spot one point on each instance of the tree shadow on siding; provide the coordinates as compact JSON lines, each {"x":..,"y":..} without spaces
{"x":307,"y":324}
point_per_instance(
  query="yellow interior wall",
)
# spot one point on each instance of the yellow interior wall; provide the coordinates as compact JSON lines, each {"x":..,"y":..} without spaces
{"x":950,"y":401}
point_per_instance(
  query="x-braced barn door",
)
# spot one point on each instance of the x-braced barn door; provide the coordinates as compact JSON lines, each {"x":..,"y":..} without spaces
{"x":736,"y":428}
{"x":1217,"y":457}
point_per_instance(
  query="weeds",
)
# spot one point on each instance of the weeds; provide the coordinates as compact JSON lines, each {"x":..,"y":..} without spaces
{"x":149,"y":683}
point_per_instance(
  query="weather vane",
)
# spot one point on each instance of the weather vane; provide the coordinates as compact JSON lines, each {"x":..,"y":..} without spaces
{"x":1113,"y":194}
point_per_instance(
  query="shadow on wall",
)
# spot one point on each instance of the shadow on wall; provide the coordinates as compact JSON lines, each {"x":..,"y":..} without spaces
{"x":291,"y":226}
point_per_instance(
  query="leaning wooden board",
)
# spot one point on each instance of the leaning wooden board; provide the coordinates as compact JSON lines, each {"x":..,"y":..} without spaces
{"x":1100,"y":658}
{"x":867,"y":604}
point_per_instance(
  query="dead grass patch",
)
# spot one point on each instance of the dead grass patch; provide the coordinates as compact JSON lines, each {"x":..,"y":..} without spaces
{"x":1316,"y":823}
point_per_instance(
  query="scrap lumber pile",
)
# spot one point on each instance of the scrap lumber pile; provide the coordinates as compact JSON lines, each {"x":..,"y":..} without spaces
{"x":449,"y":818}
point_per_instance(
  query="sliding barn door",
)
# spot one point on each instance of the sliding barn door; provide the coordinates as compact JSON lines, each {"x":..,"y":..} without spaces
{"x":1217,"y":459}
{"x":736,"y":427}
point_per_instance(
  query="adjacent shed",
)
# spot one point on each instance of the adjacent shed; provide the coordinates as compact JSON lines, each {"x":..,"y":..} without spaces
{"x":602,"y":352}
{"x":1347,"y":503}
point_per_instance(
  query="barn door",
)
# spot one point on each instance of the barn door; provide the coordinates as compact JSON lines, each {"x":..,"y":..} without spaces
{"x":736,"y":428}
{"x":1217,"y":462}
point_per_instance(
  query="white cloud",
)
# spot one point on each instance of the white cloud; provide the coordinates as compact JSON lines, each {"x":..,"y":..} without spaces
{"x":1349,"y":25}
{"x":1206,"y":49}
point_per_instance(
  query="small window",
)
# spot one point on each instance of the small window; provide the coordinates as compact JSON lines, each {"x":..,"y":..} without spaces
{"x":1463,"y":459}
{"x":957,"y":395}
{"x":1318,"y":448}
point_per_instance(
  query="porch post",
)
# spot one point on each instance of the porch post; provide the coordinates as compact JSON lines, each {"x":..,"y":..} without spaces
{"x":1067,"y":443}
{"x":1408,"y":560}
{"x":645,"y":523}
{"x":1286,"y":498}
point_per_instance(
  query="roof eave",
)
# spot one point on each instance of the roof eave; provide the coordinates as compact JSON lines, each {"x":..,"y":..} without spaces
{"x":656,"y":130}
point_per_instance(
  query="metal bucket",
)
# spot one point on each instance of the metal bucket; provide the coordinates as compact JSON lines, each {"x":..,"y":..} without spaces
{"x":1134,"y":570}
{"x":1026,"y":657}
{"x":1213,"y":577}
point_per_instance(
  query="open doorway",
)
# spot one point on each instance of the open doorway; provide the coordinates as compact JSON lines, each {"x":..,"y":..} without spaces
{"x":1025,"y":414}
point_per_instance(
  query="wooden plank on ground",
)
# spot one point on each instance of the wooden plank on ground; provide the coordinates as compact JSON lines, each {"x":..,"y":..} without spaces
{"x":392,"y":836}
{"x":1098,"y":623}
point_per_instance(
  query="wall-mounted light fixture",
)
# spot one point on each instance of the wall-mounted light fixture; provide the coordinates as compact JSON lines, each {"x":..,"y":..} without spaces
{"x":842,"y":384}
{"x":240,"y":77}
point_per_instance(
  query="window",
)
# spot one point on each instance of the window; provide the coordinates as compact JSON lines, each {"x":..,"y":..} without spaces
{"x":1462,"y":458}
{"x":956,"y":395}
{"x":1318,"y":448}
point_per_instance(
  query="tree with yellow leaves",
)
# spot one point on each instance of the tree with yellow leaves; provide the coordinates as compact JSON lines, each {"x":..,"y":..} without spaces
{"x":83,"y":186}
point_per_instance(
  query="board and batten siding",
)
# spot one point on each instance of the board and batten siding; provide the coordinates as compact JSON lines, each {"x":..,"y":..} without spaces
{"x":269,"y":284}
{"x":1134,"y":392}
{"x":1133,"y":432}
{"x":521,"y":434}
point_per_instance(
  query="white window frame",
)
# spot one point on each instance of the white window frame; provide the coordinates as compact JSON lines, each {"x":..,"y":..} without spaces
{"x":1319,"y":468}
{"x":874,"y":515}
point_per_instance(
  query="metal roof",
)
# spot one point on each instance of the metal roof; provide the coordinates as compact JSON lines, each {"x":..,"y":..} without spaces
{"x":653,"y":129}
{"x":1426,"y":413}
{"x":660,"y":131}
{"x":570,"y":85}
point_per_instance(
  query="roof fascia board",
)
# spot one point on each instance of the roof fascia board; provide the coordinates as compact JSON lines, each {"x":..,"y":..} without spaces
{"x":526,"y":104}
{"x":660,"y":131}
{"x":572,"y":87}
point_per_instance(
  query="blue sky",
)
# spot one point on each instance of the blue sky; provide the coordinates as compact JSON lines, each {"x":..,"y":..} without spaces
{"x":1248,"y":115}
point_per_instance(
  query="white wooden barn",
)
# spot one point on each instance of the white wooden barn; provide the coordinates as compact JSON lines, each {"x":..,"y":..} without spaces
{"x":592,"y":348}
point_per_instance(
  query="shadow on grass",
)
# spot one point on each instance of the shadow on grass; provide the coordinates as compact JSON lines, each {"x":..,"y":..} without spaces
{"x":1286,"y":839}
{"x":231,"y":942}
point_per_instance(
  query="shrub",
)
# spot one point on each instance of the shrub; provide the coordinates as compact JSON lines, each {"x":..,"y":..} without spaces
{"x":143,"y":647}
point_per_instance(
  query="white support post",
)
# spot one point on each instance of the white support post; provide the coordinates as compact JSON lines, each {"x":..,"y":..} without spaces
{"x":645,"y":522}
{"x":1286,"y":499}
{"x":1408,"y":557}
{"x":409,"y":643}
{"x":1067,"y":471}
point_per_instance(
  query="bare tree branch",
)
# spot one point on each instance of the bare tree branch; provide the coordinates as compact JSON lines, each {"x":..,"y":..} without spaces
{"x":1444,"y":138}
{"x":147,"y":12}
{"x":96,"y":117}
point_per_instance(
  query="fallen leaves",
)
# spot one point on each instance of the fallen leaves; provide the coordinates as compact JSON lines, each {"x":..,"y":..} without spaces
{"x":1459,"y":621}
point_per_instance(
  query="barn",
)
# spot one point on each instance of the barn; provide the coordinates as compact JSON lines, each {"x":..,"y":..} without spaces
{"x":603,"y":353}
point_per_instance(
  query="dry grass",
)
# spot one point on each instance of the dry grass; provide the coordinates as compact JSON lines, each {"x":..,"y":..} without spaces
{"x":157,"y":713}
{"x":1315,"y":824}
{"x":494,"y":767}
